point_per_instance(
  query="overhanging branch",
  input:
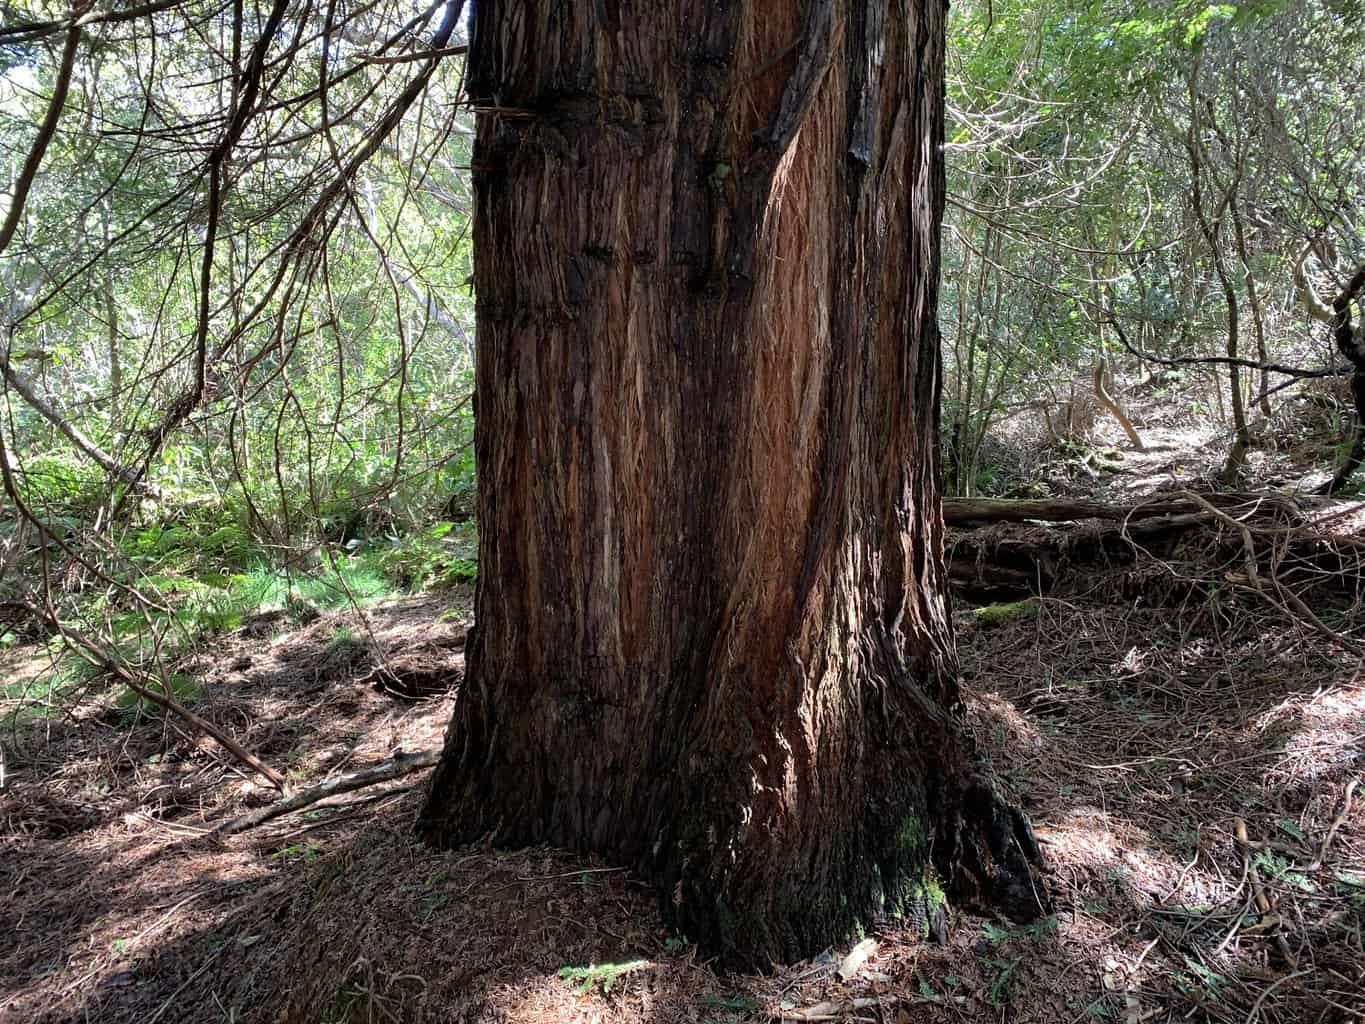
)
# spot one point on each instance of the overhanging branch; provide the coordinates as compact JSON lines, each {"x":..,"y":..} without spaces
{"x":1251,"y":364}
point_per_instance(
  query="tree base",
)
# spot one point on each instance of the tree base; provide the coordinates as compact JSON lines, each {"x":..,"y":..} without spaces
{"x":998,"y":860}
{"x":757,"y":896}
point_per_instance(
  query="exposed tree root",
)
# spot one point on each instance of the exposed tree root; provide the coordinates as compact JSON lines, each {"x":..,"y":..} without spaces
{"x":997,"y":860}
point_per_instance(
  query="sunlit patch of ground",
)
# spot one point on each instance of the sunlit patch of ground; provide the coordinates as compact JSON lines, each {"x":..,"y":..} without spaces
{"x":1179,"y":767}
{"x":1185,"y":441}
{"x":1191,"y":792}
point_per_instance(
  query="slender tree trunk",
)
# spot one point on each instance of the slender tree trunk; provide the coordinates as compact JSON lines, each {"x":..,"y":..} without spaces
{"x":1105,"y":396}
{"x":1254,"y":301}
{"x":1210,"y":227}
{"x":713,"y":640}
{"x":112,"y":329}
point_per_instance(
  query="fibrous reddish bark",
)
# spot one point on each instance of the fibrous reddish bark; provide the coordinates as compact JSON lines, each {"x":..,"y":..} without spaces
{"x":712,"y":635}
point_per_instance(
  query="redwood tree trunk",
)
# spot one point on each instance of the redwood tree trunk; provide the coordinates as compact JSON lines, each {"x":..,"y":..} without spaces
{"x":712,"y":636}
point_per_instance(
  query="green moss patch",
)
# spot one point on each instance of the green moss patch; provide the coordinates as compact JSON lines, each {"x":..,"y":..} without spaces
{"x":991,"y":615}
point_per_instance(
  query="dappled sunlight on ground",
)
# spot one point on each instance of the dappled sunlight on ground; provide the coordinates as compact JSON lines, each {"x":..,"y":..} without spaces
{"x":1136,"y":739}
{"x":1092,"y":840}
{"x":1328,"y":739}
{"x":1192,"y":771}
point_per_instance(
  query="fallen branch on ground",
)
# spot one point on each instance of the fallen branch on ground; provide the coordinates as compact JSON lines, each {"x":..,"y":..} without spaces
{"x":1290,"y":551}
{"x":109,"y":662}
{"x":1281,"y":597}
{"x":403,"y":763}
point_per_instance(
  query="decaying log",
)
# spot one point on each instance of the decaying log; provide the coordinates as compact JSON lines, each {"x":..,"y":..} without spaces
{"x":1001,"y":549}
{"x":979,"y":511}
{"x":995,"y":563}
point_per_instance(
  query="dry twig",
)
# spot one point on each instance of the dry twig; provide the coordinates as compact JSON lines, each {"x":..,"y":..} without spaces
{"x":402,"y":764}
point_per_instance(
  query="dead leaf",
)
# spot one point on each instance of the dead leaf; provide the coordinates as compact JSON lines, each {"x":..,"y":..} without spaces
{"x":856,"y":958}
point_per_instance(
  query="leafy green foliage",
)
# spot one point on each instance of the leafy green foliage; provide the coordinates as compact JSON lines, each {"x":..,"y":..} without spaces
{"x":1077,"y":134}
{"x":600,"y":976}
{"x":335,"y":429}
{"x":436,"y":557}
{"x":61,"y":485}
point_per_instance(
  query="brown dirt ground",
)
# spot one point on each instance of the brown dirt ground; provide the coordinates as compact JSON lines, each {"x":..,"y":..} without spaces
{"x":1136,"y":737}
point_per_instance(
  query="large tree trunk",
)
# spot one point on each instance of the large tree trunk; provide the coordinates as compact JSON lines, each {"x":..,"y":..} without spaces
{"x":712,"y":635}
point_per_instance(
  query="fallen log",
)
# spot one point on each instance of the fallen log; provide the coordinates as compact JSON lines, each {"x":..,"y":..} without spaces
{"x":1027,"y":558}
{"x":978,"y":511}
{"x":1299,"y":555}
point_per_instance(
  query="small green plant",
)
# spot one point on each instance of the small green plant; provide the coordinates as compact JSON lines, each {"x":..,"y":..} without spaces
{"x":180,"y":687}
{"x":602,"y":976}
{"x":305,"y":853}
{"x":183,"y":689}
{"x":998,"y":993}
{"x":998,"y":936}
{"x":1291,"y":829}
{"x":1211,"y":982}
{"x":1274,"y":866}
{"x":1350,"y":886}
{"x":1101,"y":1010}
{"x":344,"y":647}
{"x":439,"y":556}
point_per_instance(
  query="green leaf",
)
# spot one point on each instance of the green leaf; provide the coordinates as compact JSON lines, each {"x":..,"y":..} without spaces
{"x":603,"y":975}
{"x":1290,"y":828}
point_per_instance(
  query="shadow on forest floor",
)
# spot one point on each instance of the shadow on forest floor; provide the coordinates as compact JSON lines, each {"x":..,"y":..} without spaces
{"x":1136,"y":738}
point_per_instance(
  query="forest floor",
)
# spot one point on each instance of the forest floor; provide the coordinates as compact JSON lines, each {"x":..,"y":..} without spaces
{"x":1190,"y":767}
